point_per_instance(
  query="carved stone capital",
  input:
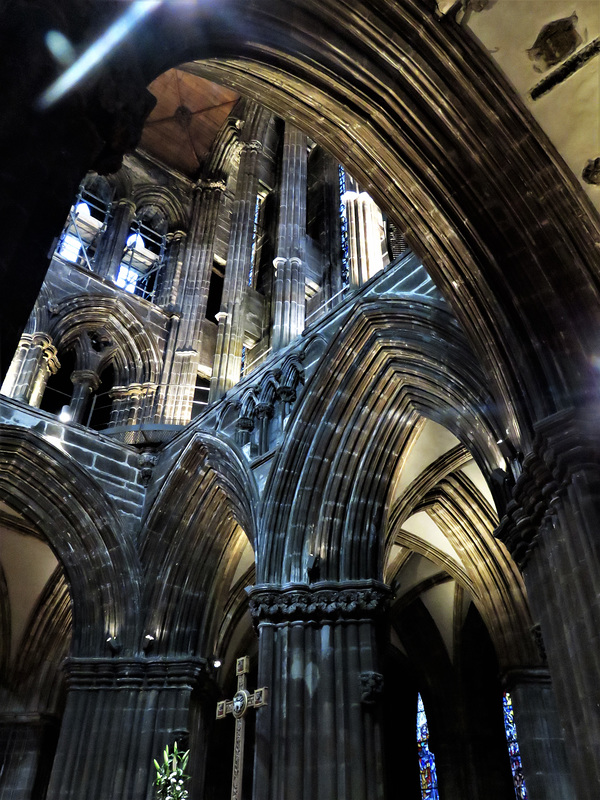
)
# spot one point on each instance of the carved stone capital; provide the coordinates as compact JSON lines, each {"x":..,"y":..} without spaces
{"x":136,"y":672}
{"x":212,"y":186}
{"x":264,"y":410}
{"x":565,"y":445}
{"x":86,"y":377}
{"x":244,"y":423}
{"x":321,"y":602}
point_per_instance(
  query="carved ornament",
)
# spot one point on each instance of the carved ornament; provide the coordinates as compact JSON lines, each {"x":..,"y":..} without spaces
{"x":322,"y":602}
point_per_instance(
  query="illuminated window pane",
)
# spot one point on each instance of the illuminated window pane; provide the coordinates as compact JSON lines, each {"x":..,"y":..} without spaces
{"x":70,"y":248}
{"x":429,"y":788}
{"x":513,"y":748}
{"x":127,"y":278}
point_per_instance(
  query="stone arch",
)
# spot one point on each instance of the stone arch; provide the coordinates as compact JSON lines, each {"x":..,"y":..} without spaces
{"x":456,"y":157}
{"x":136,"y":356}
{"x":486,"y":570}
{"x":194,"y":533}
{"x":327,"y":490}
{"x":162,"y":199}
{"x":82,"y":527}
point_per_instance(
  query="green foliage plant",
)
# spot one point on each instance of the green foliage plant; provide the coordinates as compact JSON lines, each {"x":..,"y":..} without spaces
{"x":170,"y":775}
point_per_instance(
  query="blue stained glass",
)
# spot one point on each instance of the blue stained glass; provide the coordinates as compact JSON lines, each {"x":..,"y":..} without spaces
{"x":513,"y":748}
{"x":427,"y":771}
{"x":344,"y":221}
{"x":243,"y":363}
{"x":254,"y":241}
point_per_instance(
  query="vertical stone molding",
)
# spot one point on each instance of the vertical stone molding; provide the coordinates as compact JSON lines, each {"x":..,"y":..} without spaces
{"x":318,"y":737}
{"x":34,"y":362}
{"x":125,"y":710}
{"x":112,"y":245}
{"x":551,"y":527}
{"x":189,"y":296}
{"x":85,"y":381}
{"x":541,"y":741}
{"x":170,"y":276}
{"x":289,"y":288}
{"x":228,"y":355}
{"x":364,"y":237}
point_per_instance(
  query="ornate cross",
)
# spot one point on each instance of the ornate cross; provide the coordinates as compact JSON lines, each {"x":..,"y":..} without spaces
{"x":242,"y":701}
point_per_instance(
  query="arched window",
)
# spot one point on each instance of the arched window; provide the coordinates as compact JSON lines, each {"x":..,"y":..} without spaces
{"x":513,"y":748}
{"x":86,"y":222}
{"x":429,"y":788}
{"x":144,"y":255}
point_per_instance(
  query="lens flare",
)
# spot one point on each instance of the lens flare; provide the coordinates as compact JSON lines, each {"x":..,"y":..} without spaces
{"x":97,"y":52}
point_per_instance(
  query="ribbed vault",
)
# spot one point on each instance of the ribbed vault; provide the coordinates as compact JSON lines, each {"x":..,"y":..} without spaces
{"x":485,"y":568}
{"x":82,"y":527}
{"x":326,"y":492}
{"x":419,"y":113}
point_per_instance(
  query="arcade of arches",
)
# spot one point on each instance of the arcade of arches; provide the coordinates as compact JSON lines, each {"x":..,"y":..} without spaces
{"x":299,"y":349}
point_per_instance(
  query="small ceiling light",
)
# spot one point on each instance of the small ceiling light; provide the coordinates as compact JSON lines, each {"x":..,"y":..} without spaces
{"x":217,"y":663}
{"x":65,"y":414}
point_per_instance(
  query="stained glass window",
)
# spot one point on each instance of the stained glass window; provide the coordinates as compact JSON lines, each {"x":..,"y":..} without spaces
{"x":429,"y":788}
{"x":513,"y":748}
{"x":344,"y":222}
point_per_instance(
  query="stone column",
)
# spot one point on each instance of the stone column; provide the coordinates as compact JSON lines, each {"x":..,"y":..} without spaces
{"x":112,"y":244}
{"x":179,"y":377}
{"x":551,"y":528}
{"x":120,"y":714}
{"x":228,"y":356}
{"x":34,"y":362}
{"x":364,"y":237}
{"x":319,"y":738}
{"x":289,"y":289}
{"x":170,"y":276}
{"x":541,"y":741}
{"x":85,"y":381}
{"x":10,"y":383}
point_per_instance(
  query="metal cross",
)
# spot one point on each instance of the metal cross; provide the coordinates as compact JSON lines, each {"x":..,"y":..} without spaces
{"x":242,"y":701}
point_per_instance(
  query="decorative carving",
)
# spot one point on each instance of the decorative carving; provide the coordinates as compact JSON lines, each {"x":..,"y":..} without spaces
{"x":146,"y":462}
{"x":137,"y":672}
{"x":321,"y":602}
{"x":555,"y":42}
{"x":591,"y":171}
{"x":565,"y":444}
{"x":371,"y":687}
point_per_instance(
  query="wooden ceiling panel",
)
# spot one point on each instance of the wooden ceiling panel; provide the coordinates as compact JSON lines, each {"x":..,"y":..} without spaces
{"x":187,"y":117}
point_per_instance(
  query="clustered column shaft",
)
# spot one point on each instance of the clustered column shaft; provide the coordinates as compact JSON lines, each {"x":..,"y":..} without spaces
{"x":551,"y":528}
{"x":228,"y":356}
{"x":190,"y":290}
{"x":364,"y":237}
{"x":125,"y":710}
{"x":320,"y":736}
{"x":289,"y":289}
{"x":34,"y":362}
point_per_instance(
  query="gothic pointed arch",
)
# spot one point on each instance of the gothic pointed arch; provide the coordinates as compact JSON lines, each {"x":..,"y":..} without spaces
{"x":195,"y":531}
{"x":456,"y":155}
{"x":327,"y":490}
{"x":151,"y":196}
{"x":82,"y":527}
{"x":136,"y":354}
